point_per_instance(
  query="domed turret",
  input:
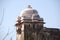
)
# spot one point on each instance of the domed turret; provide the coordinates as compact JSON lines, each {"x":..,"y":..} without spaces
{"x":29,"y":15}
{"x":29,"y":22}
{"x":28,"y":12}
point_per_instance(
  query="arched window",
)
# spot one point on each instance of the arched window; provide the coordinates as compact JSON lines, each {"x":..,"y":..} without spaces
{"x":33,"y":26}
{"x":27,"y":27}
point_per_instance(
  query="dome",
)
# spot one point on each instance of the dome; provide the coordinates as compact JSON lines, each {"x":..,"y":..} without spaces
{"x":28,"y":12}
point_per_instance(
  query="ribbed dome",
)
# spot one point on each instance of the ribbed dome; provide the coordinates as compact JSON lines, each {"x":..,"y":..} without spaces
{"x":28,"y":12}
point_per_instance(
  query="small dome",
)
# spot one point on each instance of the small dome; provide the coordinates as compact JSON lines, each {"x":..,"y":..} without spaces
{"x":28,"y":12}
{"x":35,"y":16}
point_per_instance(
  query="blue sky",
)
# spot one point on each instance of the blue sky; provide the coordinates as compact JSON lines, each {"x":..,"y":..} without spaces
{"x":47,"y":9}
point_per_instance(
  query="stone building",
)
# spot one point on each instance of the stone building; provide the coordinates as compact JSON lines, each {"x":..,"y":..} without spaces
{"x":30,"y":26}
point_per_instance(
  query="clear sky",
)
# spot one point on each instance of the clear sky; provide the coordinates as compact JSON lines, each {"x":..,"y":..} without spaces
{"x":47,"y":9}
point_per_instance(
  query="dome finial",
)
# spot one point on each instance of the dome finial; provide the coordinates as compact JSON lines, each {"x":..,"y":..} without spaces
{"x":29,"y":6}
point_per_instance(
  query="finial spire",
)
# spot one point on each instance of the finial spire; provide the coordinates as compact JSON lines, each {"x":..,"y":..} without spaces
{"x":29,"y":6}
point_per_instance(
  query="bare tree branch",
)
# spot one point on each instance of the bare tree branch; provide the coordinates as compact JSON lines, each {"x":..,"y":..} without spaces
{"x":8,"y":34}
{"x":2,"y":18}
